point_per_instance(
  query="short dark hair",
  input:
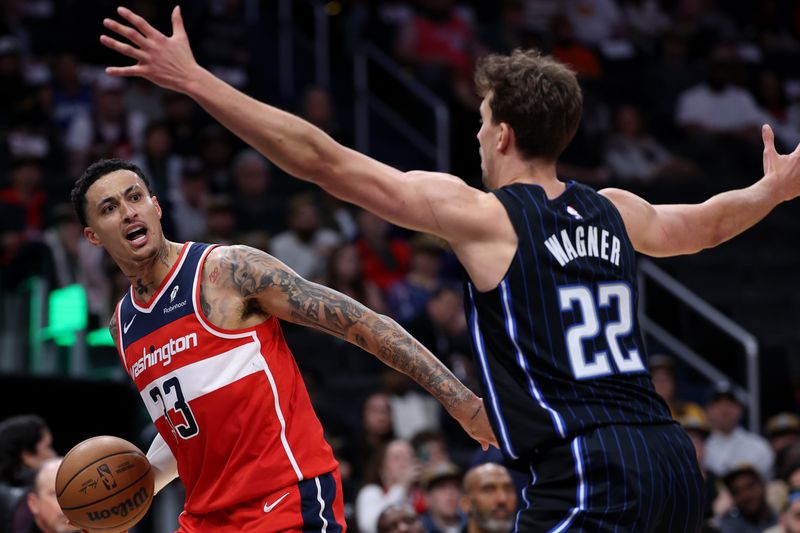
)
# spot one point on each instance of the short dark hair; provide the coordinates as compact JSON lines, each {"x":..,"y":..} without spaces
{"x":534,"y":94}
{"x":18,"y":434}
{"x":97,"y":170}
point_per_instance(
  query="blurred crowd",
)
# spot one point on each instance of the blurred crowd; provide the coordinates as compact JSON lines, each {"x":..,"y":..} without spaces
{"x":675,"y":92}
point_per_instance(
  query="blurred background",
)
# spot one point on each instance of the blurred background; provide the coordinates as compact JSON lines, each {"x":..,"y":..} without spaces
{"x":675,"y":93}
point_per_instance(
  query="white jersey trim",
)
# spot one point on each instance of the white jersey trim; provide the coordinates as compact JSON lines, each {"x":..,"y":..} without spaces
{"x":266,"y":369}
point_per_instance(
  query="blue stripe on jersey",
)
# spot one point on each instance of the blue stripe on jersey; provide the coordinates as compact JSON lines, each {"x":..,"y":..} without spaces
{"x":487,"y":376}
{"x":511,"y":327}
{"x":580,"y":491}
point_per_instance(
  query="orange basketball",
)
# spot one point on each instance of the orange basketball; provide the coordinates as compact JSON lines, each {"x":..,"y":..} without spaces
{"x":105,"y":483}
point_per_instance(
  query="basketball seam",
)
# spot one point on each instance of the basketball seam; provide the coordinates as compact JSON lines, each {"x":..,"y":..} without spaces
{"x":93,"y":462}
{"x":110,"y":495}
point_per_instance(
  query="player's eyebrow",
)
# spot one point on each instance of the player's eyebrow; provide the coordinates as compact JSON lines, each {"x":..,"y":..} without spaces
{"x":126,"y":192}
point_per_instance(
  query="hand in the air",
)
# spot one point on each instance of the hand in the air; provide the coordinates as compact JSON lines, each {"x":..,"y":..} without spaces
{"x":782,"y":170}
{"x":165,"y":61}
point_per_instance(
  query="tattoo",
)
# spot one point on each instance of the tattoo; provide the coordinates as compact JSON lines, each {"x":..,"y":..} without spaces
{"x":163,"y":254}
{"x":252,"y":272}
{"x":141,"y":288}
{"x":214,"y":276}
{"x":113,"y":328}
{"x":204,"y":303}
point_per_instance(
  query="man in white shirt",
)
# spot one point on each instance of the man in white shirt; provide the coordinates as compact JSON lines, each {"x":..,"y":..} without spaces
{"x":731,"y":445}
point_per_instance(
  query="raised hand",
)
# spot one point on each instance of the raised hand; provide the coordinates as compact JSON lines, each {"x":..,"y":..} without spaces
{"x":165,"y":61}
{"x":782,"y":171}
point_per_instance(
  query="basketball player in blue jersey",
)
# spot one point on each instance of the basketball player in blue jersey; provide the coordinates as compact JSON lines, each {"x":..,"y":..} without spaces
{"x":551,"y":296}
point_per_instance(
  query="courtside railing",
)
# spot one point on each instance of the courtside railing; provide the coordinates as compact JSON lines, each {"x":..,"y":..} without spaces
{"x":369,"y":56}
{"x":750,"y":393}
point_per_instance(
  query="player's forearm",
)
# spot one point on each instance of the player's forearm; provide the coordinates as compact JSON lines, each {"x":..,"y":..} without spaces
{"x":726,"y":215}
{"x":389,"y":342}
{"x":295,"y":145}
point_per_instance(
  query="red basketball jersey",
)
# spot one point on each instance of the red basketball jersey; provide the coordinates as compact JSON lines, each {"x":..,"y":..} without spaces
{"x":231,"y":404}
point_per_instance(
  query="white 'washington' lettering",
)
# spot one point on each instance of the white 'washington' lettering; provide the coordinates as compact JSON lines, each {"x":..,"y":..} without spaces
{"x":163,"y":354}
{"x":587,"y":241}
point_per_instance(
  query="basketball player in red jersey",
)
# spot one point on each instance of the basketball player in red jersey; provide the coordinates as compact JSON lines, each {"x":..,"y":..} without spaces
{"x":199,"y":335}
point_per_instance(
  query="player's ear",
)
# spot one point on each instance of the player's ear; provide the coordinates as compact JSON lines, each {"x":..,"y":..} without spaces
{"x":91,"y":236}
{"x":33,"y":503}
{"x":504,"y":135}
{"x":158,"y":206}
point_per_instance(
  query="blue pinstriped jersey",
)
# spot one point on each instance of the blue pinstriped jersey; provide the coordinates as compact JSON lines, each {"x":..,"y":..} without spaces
{"x":557,"y":341}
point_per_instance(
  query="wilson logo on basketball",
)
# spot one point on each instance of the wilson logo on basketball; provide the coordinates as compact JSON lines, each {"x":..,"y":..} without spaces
{"x":122,"y":508}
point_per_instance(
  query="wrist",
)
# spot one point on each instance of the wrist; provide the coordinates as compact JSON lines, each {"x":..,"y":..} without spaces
{"x":194,"y":82}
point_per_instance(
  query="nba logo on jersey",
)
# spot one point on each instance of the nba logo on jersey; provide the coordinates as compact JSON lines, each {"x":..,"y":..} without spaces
{"x":173,"y":293}
{"x":571,"y":211}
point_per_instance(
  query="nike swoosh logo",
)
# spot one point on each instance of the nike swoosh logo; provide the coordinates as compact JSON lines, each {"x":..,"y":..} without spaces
{"x":269,"y":507}
{"x":127,"y":326}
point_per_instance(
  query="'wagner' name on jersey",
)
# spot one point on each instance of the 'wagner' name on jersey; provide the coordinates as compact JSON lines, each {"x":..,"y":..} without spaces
{"x":587,"y":241}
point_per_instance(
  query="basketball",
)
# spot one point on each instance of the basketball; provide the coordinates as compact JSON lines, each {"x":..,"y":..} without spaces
{"x":105,"y":483}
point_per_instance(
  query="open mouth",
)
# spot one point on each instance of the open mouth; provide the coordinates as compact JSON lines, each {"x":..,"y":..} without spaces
{"x":137,"y":236}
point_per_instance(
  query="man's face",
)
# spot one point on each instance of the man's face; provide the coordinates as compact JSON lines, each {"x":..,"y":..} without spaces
{"x":123,"y":217}
{"x":43,"y":504}
{"x":748,"y":494}
{"x":487,"y":140}
{"x":399,"y":520}
{"x":724,"y":414}
{"x":489,"y":499}
{"x":790,"y":519}
{"x":443,"y":498}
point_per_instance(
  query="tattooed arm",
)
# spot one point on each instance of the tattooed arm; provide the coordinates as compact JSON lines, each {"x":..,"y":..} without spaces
{"x":264,"y":283}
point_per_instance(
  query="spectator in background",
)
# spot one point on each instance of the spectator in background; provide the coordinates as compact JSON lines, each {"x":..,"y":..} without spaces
{"x":182,"y":119}
{"x":782,"y":431}
{"x":399,"y":518}
{"x":23,"y":207}
{"x":595,"y":21}
{"x":489,"y":499}
{"x":789,"y":519}
{"x":109,"y":131}
{"x":257,"y":209}
{"x":408,"y":297}
{"x":375,"y":432}
{"x":633,"y":155}
{"x":442,"y":326}
{"x":411,"y":410}
{"x":662,"y":371}
{"x":430,"y":447}
{"x":771,"y":96}
{"x":566,"y":48}
{"x":306,"y":245}
{"x":216,"y":151}
{"x":317,"y":107}
{"x":221,"y":221}
{"x":47,"y":514}
{"x":439,"y":43}
{"x":385,"y":259}
{"x":190,"y":202}
{"x":70,"y":95}
{"x":25,"y":444}
{"x":645,"y":21}
{"x":722,"y":120}
{"x":159,"y":162}
{"x":696,"y":426}
{"x":730,"y":444}
{"x":751,"y":513}
{"x":346,"y":275}
{"x":441,"y":485}
{"x":72,"y":259}
{"x":391,"y":478}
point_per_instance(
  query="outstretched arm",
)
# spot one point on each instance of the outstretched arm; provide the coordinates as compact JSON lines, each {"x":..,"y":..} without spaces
{"x":424,"y":201}
{"x":266,"y":284}
{"x":667,"y":230}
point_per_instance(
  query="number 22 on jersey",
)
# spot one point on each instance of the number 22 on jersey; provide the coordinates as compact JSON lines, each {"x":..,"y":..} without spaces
{"x":581,"y":297}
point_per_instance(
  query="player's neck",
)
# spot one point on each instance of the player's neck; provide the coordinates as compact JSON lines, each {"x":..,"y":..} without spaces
{"x":536,"y":172}
{"x":146,"y":275}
